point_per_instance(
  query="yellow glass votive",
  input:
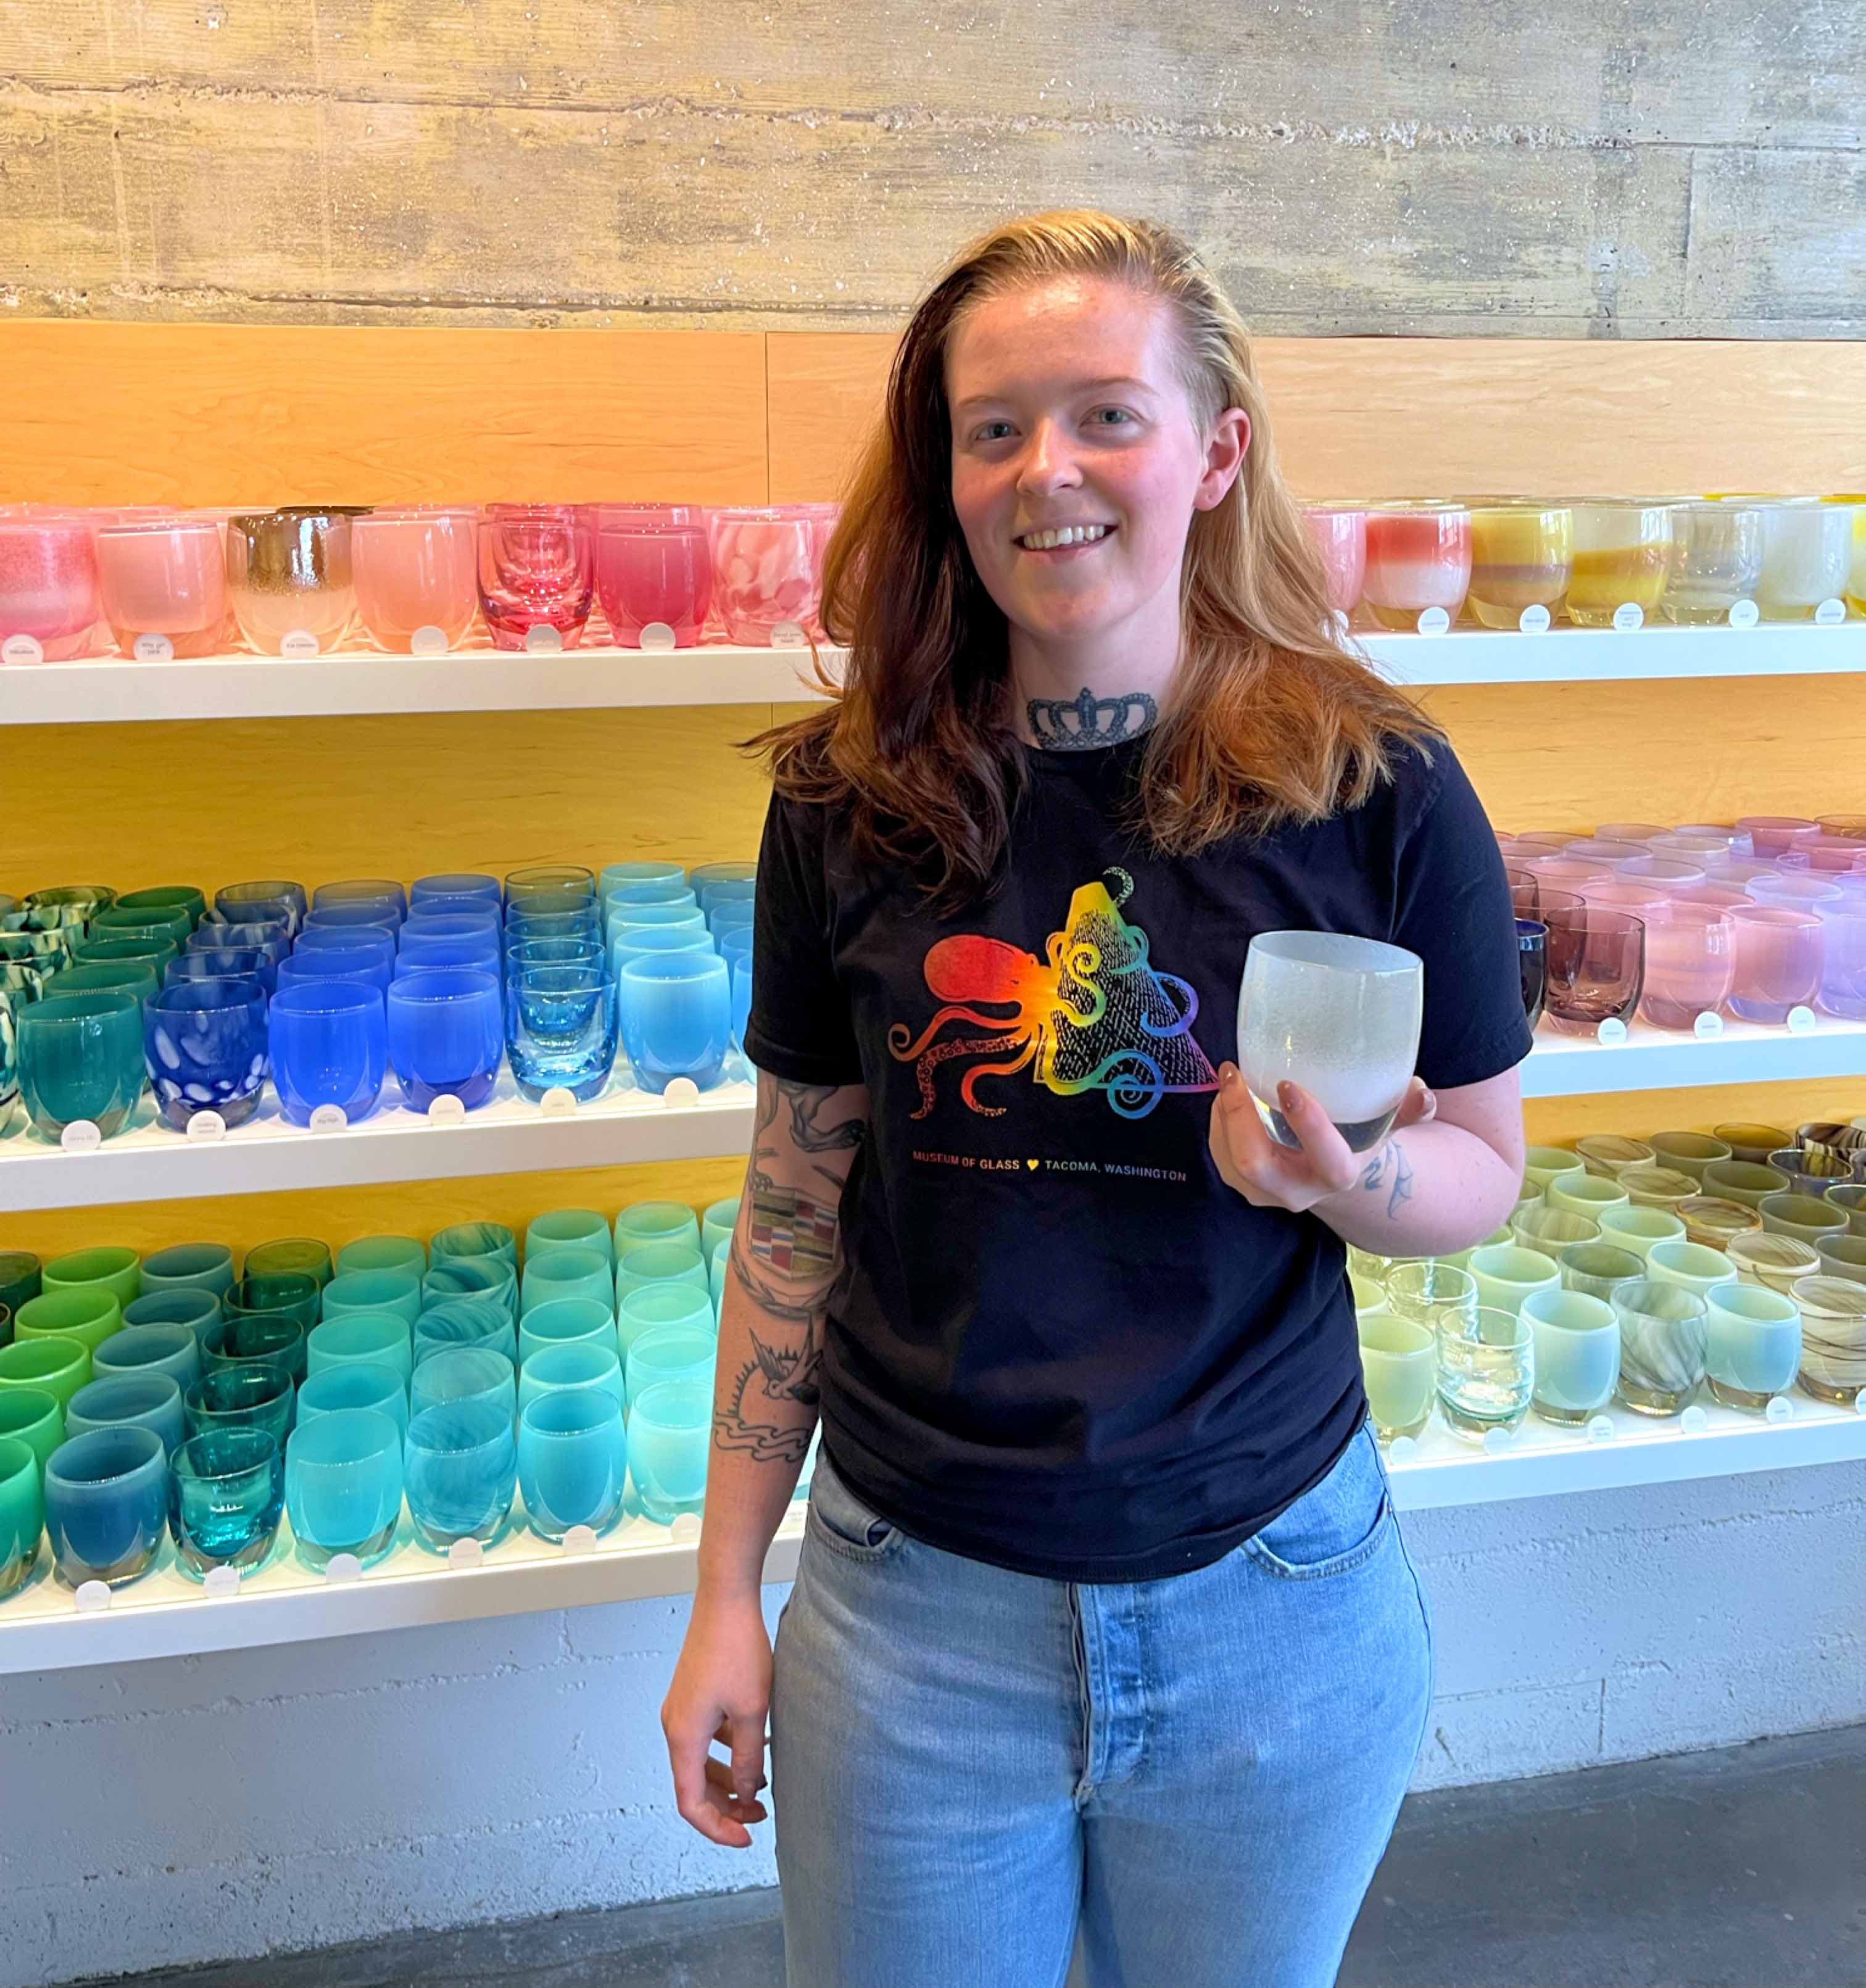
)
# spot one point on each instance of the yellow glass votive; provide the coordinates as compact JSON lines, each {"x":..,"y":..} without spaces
{"x":1521,"y":556}
{"x":1622,"y":557}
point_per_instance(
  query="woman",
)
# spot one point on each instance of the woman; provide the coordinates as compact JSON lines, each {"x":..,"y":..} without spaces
{"x":1103,"y":1617}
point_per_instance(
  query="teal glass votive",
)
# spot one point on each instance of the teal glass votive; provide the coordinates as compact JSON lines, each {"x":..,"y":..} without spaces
{"x":566,"y":1322}
{"x":463,"y":1470}
{"x":670,"y":1431}
{"x":572,"y":1461}
{"x":57,"y":1364}
{"x":289,"y":1256}
{"x":189,"y":1267}
{"x":397,"y":1291}
{"x":288,"y":1294}
{"x":474,"y":1238}
{"x":1576,"y":1342}
{"x":464,"y":1374}
{"x":106,"y":1267}
{"x":465,"y":1322}
{"x":197,"y":1310}
{"x":565,"y":1273}
{"x":668,"y":1353}
{"x":661,"y":1263}
{"x":20,"y":1281}
{"x":22,"y":1512}
{"x":655,"y":1222}
{"x":717,"y":1223}
{"x":226,"y":1495}
{"x":472,"y":1277}
{"x":1754,"y":1343}
{"x":384,"y":1252}
{"x":256,"y":1395}
{"x":81,"y":1057}
{"x":718,"y":1265}
{"x":583,"y":1362}
{"x":378,"y":1338}
{"x":106,"y":1505}
{"x":343,"y":1486}
{"x":653,"y":1306}
{"x":568,"y":1228}
{"x":128,"y":1401}
{"x":266,"y":1339}
{"x":356,"y":1384}
{"x":172,"y":1350}
{"x":34,"y":1416}
{"x":91,"y":1315}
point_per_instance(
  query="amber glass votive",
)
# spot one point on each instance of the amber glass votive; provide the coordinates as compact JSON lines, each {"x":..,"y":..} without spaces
{"x":1419,"y":557}
{"x":1622,"y":557}
{"x":1520,"y":558}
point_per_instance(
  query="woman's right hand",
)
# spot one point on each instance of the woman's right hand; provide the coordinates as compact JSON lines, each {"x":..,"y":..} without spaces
{"x":721,"y":1690}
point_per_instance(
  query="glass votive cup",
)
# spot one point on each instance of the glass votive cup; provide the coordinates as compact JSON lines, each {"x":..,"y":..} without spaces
{"x":1419,"y":557}
{"x":1586,"y":1194}
{"x":1689,"y":1152}
{"x":1803,"y":1217}
{"x":1598,"y":1270}
{"x":480,"y":1321}
{"x":537,"y":574}
{"x":701,"y":875}
{"x":617,"y":876}
{"x":1550,"y":1230}
{"x":1341,"y":536}
{"x":343,"y":1486}
{"x":205,"y":1044}
{"x":717,"y":1223}
{"x":1596,"y":968}
{"x":652,"y":575}
{"x":140,"y":977}
{"x":446,"y":1035}
{"x":1505,"y":1274}
{"x":561,"y":1029}
{"x":355,"y":1384}
{"x":163,"y":587}
{"x":1807,"y":546}
{"x":1427,"y":1292}
{"x":109,"y":1267}
{"x":1716,"y":560}
{"x":1399,"y":1368}
{"x":35,"y":1417}
{"x":676,"y":1014}
{"x":1486,"y":1372}
{"x":465,"y":1374}
{"x":654,"y":1222}
{"x":653,"y":1306}
{"x":396,"y":1292}
{"x":416,"y":577}
{"x":1690,"y":965}
{"x":577,"y":1364}
{"x":1693,"y":1266}
{"x":1713,"y":1222}
{"x":1842,"y":1254}
{"x":328,"y":1045}
{"x":1632,"y":1226}
{"x":22,"y":1278}
{"x":1779,"y":959}
{"x":1748,"y":1182}
{"x":344,"y":952}
{"x":22,"y":1513}
{"x":421,"y":951}
{"x":1652,"y":1186}
{"x":569,"y":1229}
{"x":205,"y":1266}
{"x":1808,"y":1170}
{"x":765,"y":583}
{"x":485,"y":1277}
{"x":173,"y":1350}
{"x":226,"y":1496}
{"x":1521,"y":556}
{"x":260,"y":900}
{"x":384,"y":1252}
{"x":1622,"y":557}
{"x":128,"y":1401}
{"x":284,"y":1256}
{"x":1843,"y":968}
{"x":1664,"y":1340}
{"x":1851,"y":1196}
{"x":1754,"y":1349}
{"x":106,"y":1505}
{"x":1532,"y":968}
{"x":185,"y":904}
{"x":1609,"y":1154}
{"x":197,"y":1310}
{"x":670,"y":1432}
{"x":76,"y":1060}
{"x":289,"y":579}
{"x":565,"y":1273}
{"x":1833,"y":1337}
{"x":668,"y":1353}
{"x":550,"y":882}
{"x":273,"y":1341}
{"x":463,"y":1472}
{"x":378,"y":1338}
{"x":572,"y":1461}
{"x":1542,"y":1166}
{"x":58,"y":1366}
{"x":448,"y":884}
{"x":471,"y":1240}
{"x":566,"y":1322}
{"x":1777,"y":1262}
{"x":640,"y":1263}
{"x":89,"y":1314}
{"x":1576,"y":1344}
{"x":49,"y":584}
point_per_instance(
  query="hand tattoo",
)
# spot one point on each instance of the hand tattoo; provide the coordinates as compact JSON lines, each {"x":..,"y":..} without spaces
{"x":1096,"y":721}
{"x":1390,"y":1169}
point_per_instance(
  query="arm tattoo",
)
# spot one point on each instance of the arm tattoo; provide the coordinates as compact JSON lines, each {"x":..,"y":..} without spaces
{"x":1080,"y":723}
{"x":1390,"y":1169}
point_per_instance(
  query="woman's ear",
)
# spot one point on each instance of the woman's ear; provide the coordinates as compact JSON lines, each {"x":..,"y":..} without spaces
{"x":1225,"y":448}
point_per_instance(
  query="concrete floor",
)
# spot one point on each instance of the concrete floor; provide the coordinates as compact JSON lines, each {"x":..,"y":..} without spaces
{"x":1737,"y":1869}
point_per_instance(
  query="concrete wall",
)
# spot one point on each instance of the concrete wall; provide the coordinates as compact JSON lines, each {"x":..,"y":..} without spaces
{"x":218,"y":1807}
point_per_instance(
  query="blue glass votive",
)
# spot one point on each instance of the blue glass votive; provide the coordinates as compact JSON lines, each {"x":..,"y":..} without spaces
{"x":106,"y":1505}
{"x":205,"y":1042}
{"x":472,"y":1239}
{"x":270,"y":940}
{"x":446,"y":1034}
{"x":171,"y":1350}
{"x":397,"y":1291}
{"x":240,"y":903}
{"x":566,"y":1322}
{"x":339,"y":963}
{"x":128,"y":1401}
{"x":240,"y":1396}
{"x":463,"y":1470}
{"x":455,"y":884}
{"x":651,"y":1306}
{"x":704,"y":873}
{"x":374,"y":940}
{"x":465,"y":1374}
{"x":356,"y":1384}
{"x":343,"y":1485}
{"x":329,"y":1046}
{"x":226,"y":1493}
{"x":376,"y":1338}
{"x":669,"y":1431}
{"x":565,"y":1273}
{"x":244,"y":962}
{"x":361,"y":891}
{"x":465,"y":1322}
{"x":197,"y":1310}
{"x":472,"y":1277}
{"x":572,"y":1461}
{"x":581,"y":1363}
{"x":560,"y":1030}
{"x":676,"y":1018}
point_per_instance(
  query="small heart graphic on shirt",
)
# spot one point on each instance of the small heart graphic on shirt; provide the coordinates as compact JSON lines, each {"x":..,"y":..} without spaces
{"x":1033,"y":1164}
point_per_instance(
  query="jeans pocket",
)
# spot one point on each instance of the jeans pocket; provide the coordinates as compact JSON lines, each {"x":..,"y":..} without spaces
{"x":843,"y":1522}
{"x":1335,"y":1525}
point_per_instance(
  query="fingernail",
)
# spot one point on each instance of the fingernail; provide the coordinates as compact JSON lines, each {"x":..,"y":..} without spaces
{"x":1286,"y":1095}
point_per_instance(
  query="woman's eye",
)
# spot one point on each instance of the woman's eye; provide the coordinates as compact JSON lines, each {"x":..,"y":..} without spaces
{"x":1110,"y":416}
{"x":994,"y":431}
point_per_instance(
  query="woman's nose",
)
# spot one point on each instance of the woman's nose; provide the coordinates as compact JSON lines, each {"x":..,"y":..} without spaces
{"x":1047,"y":463}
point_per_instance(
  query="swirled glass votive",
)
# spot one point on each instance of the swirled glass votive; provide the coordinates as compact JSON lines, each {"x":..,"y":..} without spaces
{"x":1717,"y":560}
{"x":472,"y":1239}
{"x":289,"y":578}
{"x":1576,"y":1344}
{"x":1833,"y":1337}
{"x":1622,"y":557}
{"x":416,"y":576}
{"x":106,"y":1505}
{"x":343,"y":1486}
{"x":205,"y":1044}
{"x":472,"y":1277}
{"x":48,"y":585}
{"x":765,"y":585}
{"x":81,"y":1057}
{"x":164,"y":586}
{"x":1664,"y":1341}
{"x":1399,"y":1369}
{"x":1521,"y":556}
{"x":480,"y":1321}
{"x":22,"y":1513}
{"x":463,"y":1472}
{"x":573,"y":1460}
{"x":1341,"y":536}
{"x":1419,"y":557}
{"x":1599,"y":1270}
{"x":226,"y":1496}
{"x":1712,"y":1223}
{"x":1807,"y":547}
{"x":537,"y":574}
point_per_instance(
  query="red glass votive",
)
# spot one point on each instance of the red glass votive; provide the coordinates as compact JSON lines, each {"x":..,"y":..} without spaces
{"x":537,"y":573}
{"x":648,"y":572}
{"x":1418,"y":556}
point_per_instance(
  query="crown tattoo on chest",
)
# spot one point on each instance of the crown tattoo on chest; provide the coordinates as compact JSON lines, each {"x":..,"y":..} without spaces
{"x":1086,"y":722}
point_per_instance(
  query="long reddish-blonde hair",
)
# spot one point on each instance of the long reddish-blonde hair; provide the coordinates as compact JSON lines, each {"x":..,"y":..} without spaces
{"x":1269,"y":720}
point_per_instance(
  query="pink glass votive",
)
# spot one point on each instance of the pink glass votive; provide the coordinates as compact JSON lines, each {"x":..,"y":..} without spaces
{"x":823,"y":519}
{"x":1418,"y":556}
{"x":1722,"y":897}
{"x":1595,"y":967}
{"x":1779,"y":958}
{"x":164,"y":587}
{"x":1643,"y":900}
{"x":1599,"y":849}
{"x":1545,"y":841}
{"x":1691,"y":955}
{"x":1627,"y":831}
{"x":1773,"y":834}
{"x":1564,"y":872}
{"x":1830,"y":852}
{"x":49,"y":584}
{"x":1738,"y":869}
{"x":648,"y":573}
{"x":764,"y":563}
{"x":537,"y":573}
{"x":416,"y":573}
{"x":1801,"y":892}
{"x":1667,"y":871}
{"x":1843,"y":968}
{"x":1341,"y":538}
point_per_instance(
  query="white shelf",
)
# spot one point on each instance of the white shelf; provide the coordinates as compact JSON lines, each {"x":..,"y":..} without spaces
{"x":115,"y":689}
{"x":1563,"y":1065}
{"x":164,"y":1614}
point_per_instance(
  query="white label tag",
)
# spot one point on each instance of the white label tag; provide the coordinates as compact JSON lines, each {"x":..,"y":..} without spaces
{"x":1629,"y":615}
{"x":428,"y":640}
{"x":1708,"y":1024}
{"x":680,"y":1091}
{"x":329,"y":1118}
{"x":91,"y":1597}
{"x":465,"y":1553}
{"x":299,"y":644}
{"x":543,"y":639}
{"x":685,"y":1530}
{"x":1801,"y":1021}
{"x":220,"y":1580}
{"x":579,"y":1539}
{"x":1830,"y":612}
{"x":446,"y":1110}
{"x":656,"y":635}
{"x":1533,"y":619}
{"x":205,"y":1127}
{"x":557,"y":1103}
{"x":81,"y":1136}
{"x":153,"y":649}
{"x":1744,"y":614}
{"x":22,"y":649}
{"x":1611,"y":1031}
{"x":1433,"y":621}
{"x":343,"y":1566}
{"x":788,"y":635}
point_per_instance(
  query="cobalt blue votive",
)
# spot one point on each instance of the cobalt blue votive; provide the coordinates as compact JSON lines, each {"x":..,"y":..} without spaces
{"x":446,"y":1034}
{"x":106,"y":1505}
{"x":361,"y":891}
{"x":676,"y":1018}
{"x":205,"y":1042}
{"x":270,"y":936}
{"x":339,"y":963}
{"x":329,"y":1046}
{"x":128,"y":1401}
{"x":572,"y":1461}
{"x":226,"y":1494}
{"x":463,"y":1470}
{"x":343,"y":1485}
{"x":560,"y":1031}
{"x":372,"y":939}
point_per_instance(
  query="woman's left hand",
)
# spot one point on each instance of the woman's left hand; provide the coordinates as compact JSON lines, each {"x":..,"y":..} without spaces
{"x":1270,"y":1176}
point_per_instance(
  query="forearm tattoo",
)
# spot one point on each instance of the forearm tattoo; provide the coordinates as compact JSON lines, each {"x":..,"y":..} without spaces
{"x":1390,"y":1169}
{"x":1077,"y":724}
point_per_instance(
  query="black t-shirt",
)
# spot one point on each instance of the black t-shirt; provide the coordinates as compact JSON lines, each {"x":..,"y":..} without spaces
{"x":1060,"y":1343}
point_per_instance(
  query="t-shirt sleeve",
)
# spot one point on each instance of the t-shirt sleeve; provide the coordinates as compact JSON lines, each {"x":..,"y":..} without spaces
{"x":800,"y":1028}
{"x":1451,"y":906}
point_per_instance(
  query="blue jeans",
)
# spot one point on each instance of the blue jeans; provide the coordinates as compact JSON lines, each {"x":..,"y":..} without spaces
{"x":1200,"y":1772}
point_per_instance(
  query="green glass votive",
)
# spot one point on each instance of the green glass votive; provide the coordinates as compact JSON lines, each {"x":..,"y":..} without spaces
{"x":1755,"y":1348}
{"x":19,"y":1283}
{"x":1576,"y":1342}
{"x":1506,"y":1274}
{"x":57,"y":1366}
{"x":569,"y":1229}
{"x":22,"y":1512}
{"x":116,"y":1270}
{"x":89,"y":1315}
{"x":1399,"y":1364}
{"x":34,"y":1416}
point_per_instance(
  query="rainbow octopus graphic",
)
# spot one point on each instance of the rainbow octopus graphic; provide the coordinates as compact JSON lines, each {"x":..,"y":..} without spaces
{"x":1093,"y":1015}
